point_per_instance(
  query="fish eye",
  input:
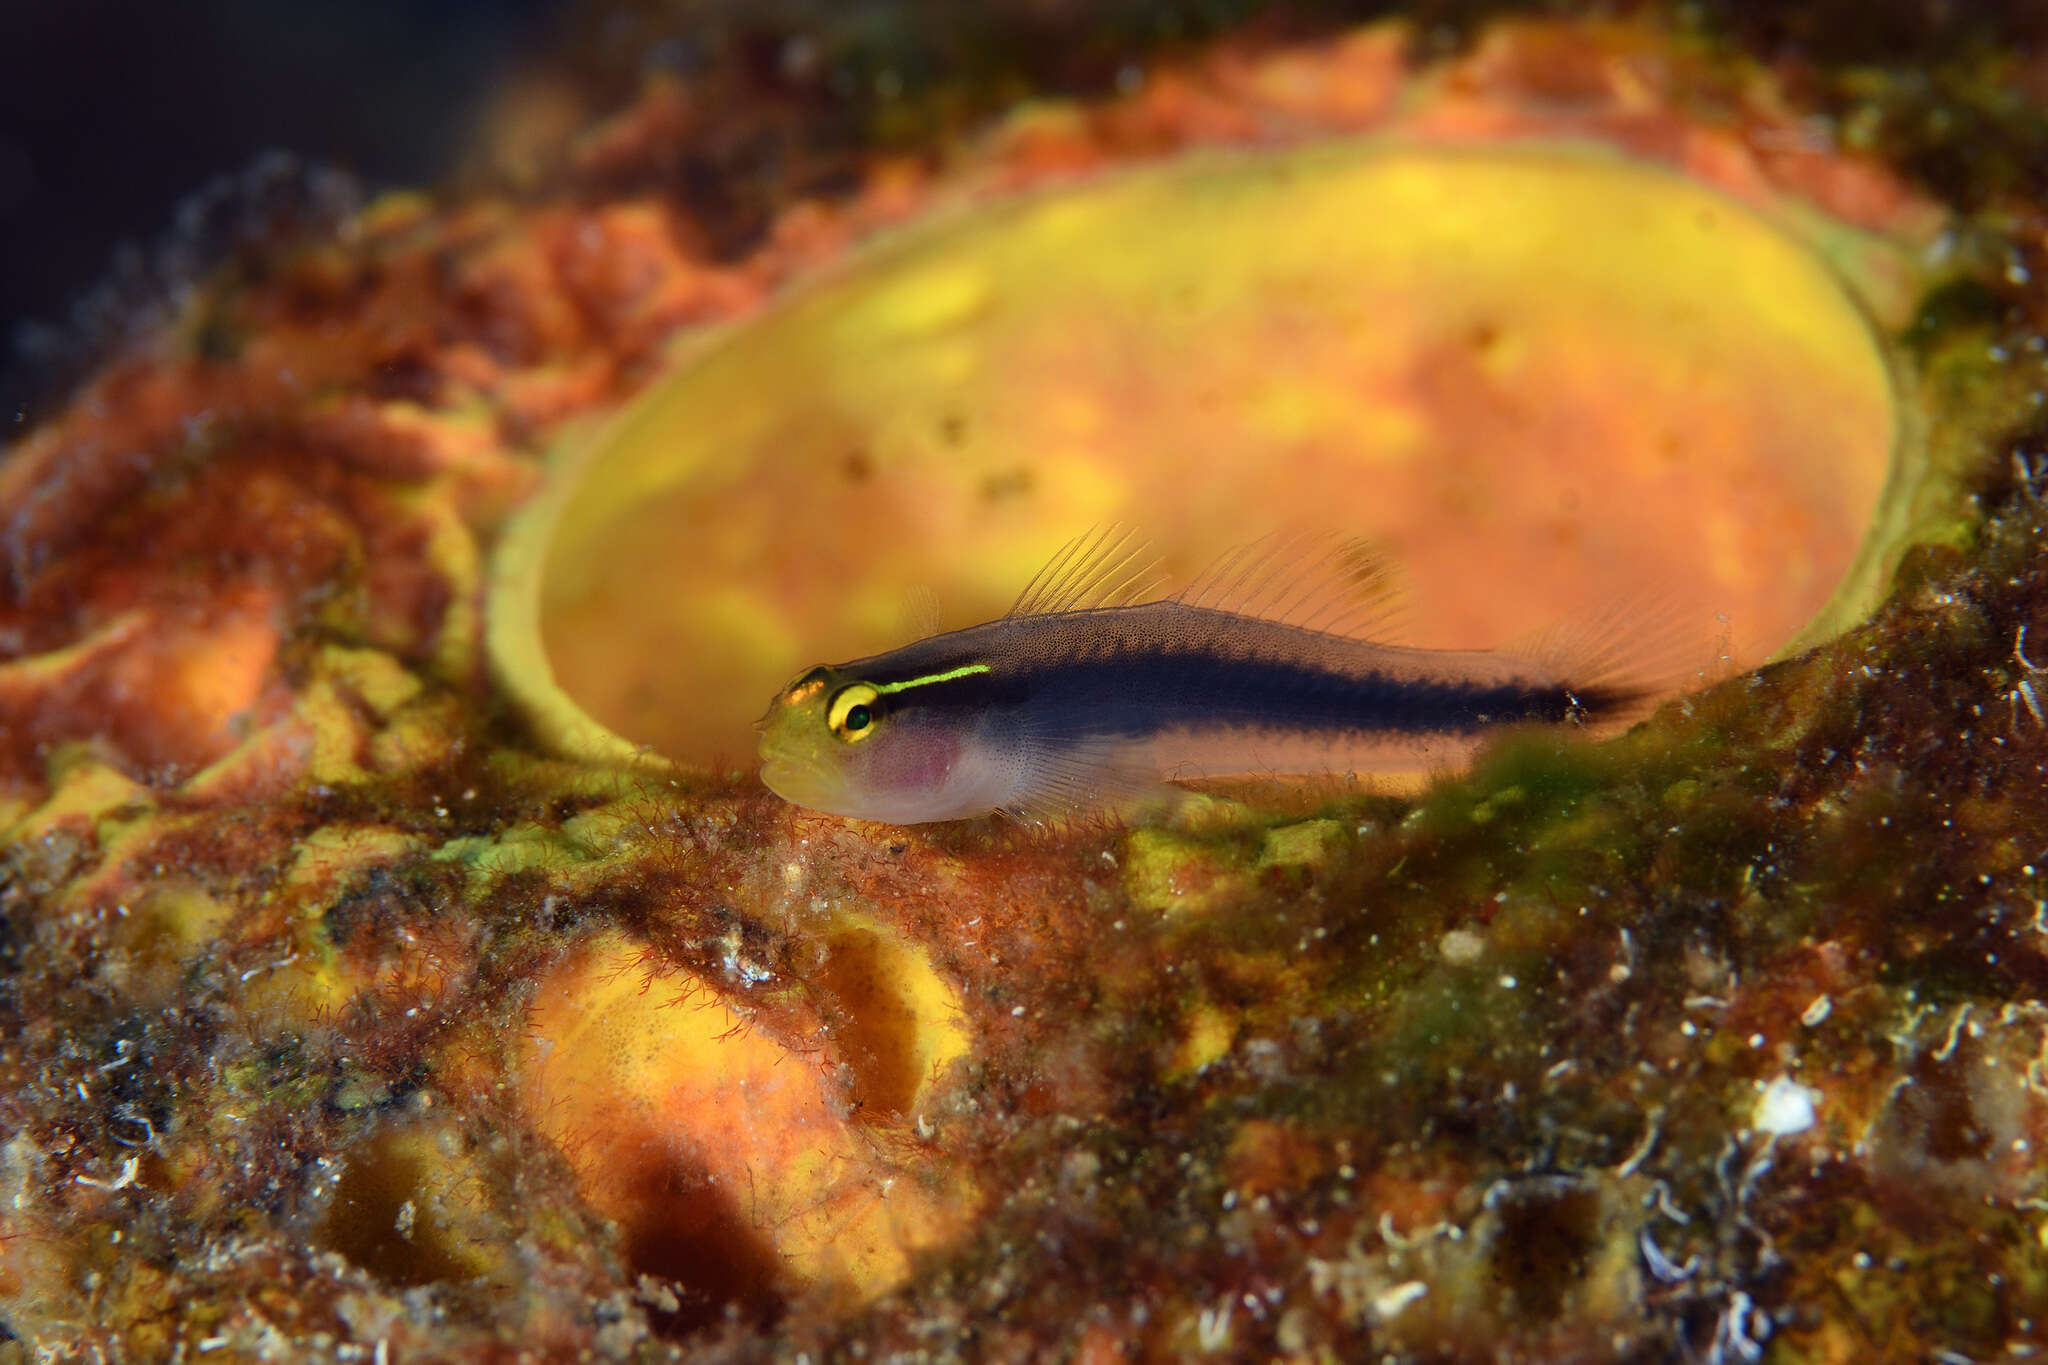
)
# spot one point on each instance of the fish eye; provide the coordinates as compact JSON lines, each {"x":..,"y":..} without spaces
{"x":851,"y":715}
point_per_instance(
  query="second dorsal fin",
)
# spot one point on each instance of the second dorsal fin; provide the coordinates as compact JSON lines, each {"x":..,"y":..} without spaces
{"x":1108,"y":566}
{"x":1339,"y":585}
{"x":919,"y":613}
{"x":1342,"y":585}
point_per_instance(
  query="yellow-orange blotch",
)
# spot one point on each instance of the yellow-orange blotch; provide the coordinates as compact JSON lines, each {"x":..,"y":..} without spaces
{"x":731,"y":1158}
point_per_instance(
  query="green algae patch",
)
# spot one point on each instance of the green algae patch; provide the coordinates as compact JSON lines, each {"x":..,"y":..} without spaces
{"x":1310,"y":844}
{"x":524,"y":847}
{"x":1207,"y":1033}
{"x":1173,"y":874}
{"x":374,"y":677}
{"x":173,"y":923}
{"x":85,"y":789}
{"x":327,"y":857}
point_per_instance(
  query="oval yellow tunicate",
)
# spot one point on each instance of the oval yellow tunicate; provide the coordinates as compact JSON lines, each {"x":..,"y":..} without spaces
{"x":1541,"y":377}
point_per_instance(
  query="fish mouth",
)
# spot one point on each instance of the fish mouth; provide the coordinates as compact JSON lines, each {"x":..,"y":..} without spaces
{"x":794,"y":779}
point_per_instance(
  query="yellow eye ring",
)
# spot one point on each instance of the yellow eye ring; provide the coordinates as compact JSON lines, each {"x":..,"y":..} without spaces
{"x":851,"y":715}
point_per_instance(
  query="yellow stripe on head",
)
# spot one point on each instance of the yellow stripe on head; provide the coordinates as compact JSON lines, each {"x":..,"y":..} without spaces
{"x":964,"y":671}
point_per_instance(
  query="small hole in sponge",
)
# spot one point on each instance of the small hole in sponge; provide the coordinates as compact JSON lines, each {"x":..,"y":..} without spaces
{"x":396,"y":1208}
{"x":1546,"y":1239}
{"x":875,"y":1026}
{"x":1946,"y":1132}
{"x":690,"y":1231}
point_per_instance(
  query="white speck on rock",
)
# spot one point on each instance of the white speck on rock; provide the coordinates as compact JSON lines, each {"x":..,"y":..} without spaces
{"x":1390,"y":1303}
{"x":1785,"y":1107}
{"x":1461,"y":947}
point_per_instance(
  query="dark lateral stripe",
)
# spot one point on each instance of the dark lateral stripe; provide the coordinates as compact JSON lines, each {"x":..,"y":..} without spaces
{"x":1135,"y":695}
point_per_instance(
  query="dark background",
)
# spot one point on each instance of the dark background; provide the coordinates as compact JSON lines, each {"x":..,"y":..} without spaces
{"x":133,"y":132}
{"x":141,"y":140}
{"x":112,"y":112}
{"x":138,"y":138}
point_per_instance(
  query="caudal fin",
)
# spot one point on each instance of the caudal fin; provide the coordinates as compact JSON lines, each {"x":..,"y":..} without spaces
{"x":1625,"y":658}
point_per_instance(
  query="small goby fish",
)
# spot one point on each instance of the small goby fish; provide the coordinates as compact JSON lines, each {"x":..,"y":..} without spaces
{"x":1082,"y":697}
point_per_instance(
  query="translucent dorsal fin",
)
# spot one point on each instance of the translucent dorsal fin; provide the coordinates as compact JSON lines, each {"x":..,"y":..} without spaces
{"x":919,"y":613}
{"x":1108,"y":566}
{"x":1340,"y":585}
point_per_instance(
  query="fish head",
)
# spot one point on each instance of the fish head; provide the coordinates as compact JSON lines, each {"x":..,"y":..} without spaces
{"x":834,"y":742}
